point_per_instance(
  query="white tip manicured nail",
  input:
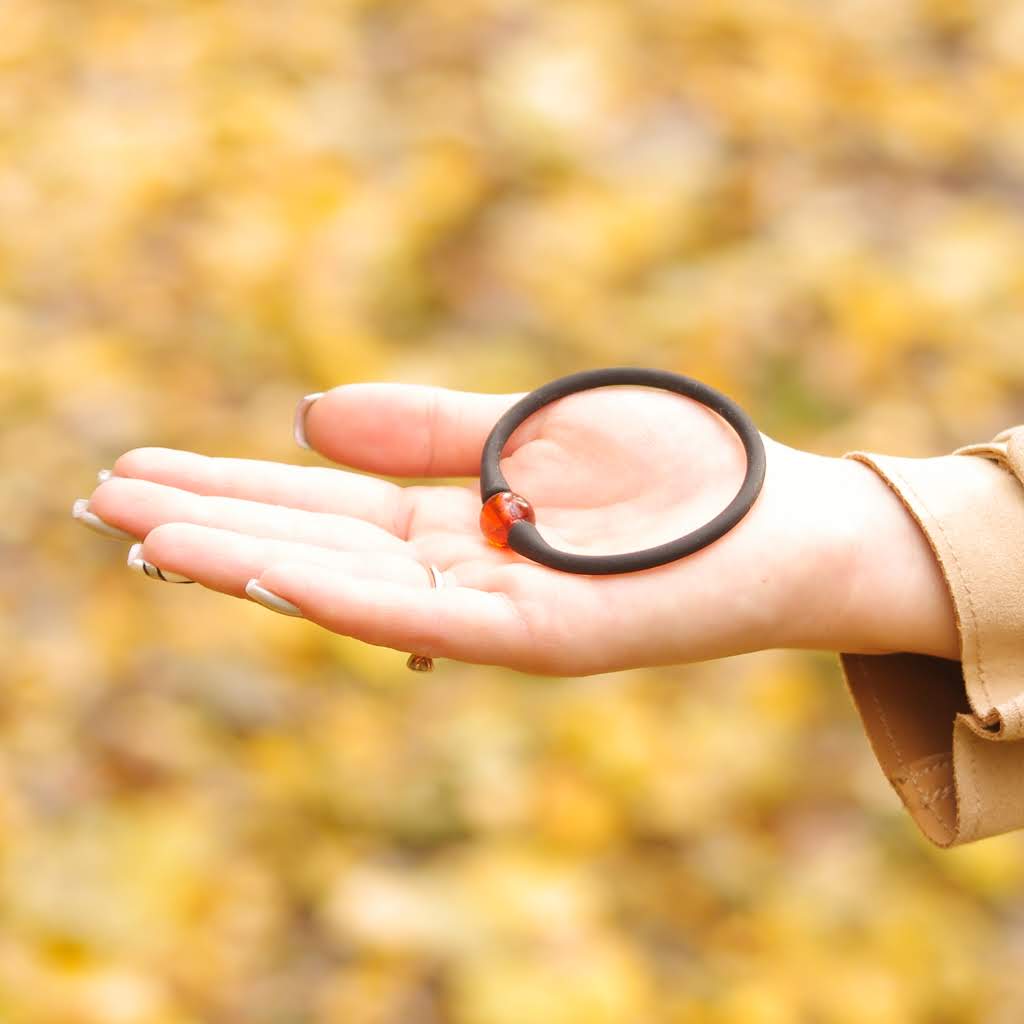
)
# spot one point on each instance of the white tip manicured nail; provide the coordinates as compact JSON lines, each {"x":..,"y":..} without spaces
{"x":80,"y":511}
{"x":137,"y":563}
{"x":270,"y":600}
{"x":103,"y":476}
{"x":300,"y":417}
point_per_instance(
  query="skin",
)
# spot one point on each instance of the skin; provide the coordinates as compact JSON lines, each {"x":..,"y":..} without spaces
{"x":827,"y":558}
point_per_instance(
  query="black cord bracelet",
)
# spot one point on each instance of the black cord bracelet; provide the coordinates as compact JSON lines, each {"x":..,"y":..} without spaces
{"x":507,"y":519}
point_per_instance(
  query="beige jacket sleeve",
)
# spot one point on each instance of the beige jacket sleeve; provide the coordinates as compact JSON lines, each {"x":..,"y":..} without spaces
{"x":949,"y":735}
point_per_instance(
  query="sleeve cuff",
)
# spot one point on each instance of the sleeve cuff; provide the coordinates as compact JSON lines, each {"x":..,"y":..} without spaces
{"x":949,"y":735}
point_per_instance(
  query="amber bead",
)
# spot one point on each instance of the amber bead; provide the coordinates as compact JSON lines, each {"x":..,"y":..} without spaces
{"x":500,"y":511}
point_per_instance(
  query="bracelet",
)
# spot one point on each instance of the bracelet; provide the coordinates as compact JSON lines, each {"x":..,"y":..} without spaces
{"x":507,"y":519}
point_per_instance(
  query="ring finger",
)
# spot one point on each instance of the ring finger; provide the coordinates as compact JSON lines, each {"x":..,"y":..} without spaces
{"x":225,"y":561}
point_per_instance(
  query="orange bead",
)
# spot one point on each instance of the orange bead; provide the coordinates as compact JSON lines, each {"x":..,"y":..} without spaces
{"x":498,"y":514}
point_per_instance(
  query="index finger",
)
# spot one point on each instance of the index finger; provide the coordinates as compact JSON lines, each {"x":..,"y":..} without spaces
{"x":313,"y":488}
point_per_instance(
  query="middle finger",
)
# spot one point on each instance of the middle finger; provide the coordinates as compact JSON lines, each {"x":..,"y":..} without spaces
{"x":140,"y":506}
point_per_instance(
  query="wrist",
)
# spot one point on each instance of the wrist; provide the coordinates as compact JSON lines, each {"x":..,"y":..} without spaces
{"x":890,"y":592}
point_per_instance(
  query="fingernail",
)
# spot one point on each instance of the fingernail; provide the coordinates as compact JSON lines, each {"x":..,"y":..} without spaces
{"x":154,"y":572}
{"x":80,"y":511}
{"x":270,"y":600}
{"x":300,"y":417}
{"x":103,"y":476}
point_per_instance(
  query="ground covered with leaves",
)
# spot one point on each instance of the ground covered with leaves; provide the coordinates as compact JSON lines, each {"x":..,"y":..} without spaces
{"x":212,"y":814}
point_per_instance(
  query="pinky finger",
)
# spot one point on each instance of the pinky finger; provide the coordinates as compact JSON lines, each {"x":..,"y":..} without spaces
{"x":470,"y":625}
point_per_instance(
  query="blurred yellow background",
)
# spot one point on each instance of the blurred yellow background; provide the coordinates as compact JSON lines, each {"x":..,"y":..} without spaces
{"x":212,"y":814}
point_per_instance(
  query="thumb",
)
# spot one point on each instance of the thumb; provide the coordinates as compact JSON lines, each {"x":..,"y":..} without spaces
{"x":407,"y":429}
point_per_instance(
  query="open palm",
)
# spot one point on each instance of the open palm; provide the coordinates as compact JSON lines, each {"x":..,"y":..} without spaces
{"x":608,"y":470}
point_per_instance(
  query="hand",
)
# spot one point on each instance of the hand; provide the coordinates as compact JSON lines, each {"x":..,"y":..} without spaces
{"x":608,"y":470}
